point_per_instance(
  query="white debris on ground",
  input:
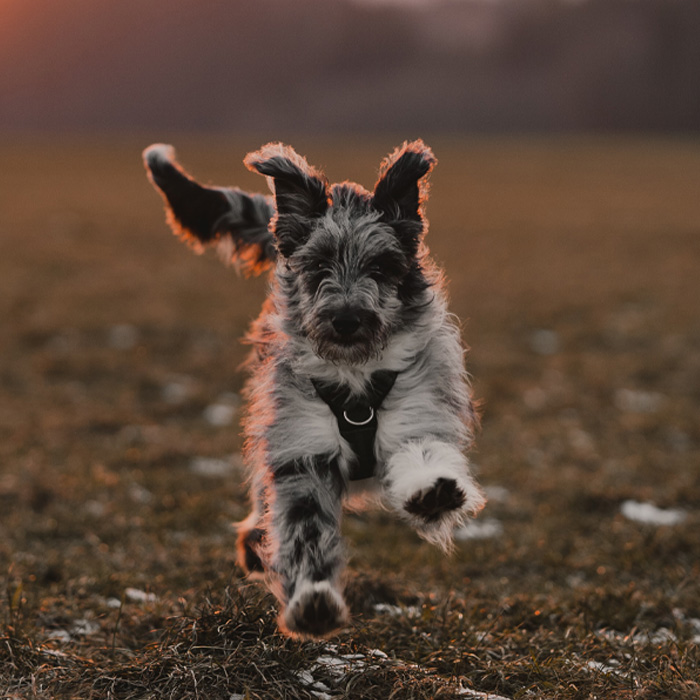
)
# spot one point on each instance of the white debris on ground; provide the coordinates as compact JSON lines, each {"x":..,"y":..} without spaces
{"x":692,"y":622}
{"x":94,"y":508}
{"x":544,"y":342}
{"x":135,"y":595}
{"x":84,"y":628}
{"x":214,"y":466}
{"x":482,"y":529}
{"x":139,"y":494}
{"x":80,"y":628}
{"x":222,"y":412}
{"x":611,"y":668}
{"x":62,"y":636}
{"x":178,"y":390}
{"x":636,"y":638}
{"x":650,"y":514}
{"x":409,"y":611}
{"x":662,"y":635}
{"x":338,"y":666}
{"x":695,"y":622}
{"x":478,"y":695}
{"x":581,"y":442}
{"x":123,"y":336}
{"x":636,"y":401}
{"x":316,"y":688}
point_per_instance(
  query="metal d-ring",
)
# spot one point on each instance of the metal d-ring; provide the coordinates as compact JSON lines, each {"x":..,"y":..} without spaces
{"x":362,"y":422}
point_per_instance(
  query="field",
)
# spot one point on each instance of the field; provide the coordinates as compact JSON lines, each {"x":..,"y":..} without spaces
{"x":575,"y":267}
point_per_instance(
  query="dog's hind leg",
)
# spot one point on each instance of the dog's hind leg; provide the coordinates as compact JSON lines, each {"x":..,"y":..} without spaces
{"x":307,"y":552}
{"x":251,"y":545}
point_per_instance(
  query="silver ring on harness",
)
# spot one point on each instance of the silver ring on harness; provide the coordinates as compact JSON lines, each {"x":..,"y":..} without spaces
{"x":362,"y":422}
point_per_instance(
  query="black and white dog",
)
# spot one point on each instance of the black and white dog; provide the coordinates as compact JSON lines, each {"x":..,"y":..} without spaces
{"x":357,"y":366}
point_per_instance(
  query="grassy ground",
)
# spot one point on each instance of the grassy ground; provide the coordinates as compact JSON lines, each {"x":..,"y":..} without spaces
{"x":574,"y":264}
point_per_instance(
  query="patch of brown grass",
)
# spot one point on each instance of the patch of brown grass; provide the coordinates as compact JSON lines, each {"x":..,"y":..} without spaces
{"x":594,"y":240}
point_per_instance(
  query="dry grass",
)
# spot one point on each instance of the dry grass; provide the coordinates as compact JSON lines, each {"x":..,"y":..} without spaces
{"x":115,"y":340}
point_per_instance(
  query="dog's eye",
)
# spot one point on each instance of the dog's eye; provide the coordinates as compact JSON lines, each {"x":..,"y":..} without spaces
{"x":386,"y":268}
{"x":376,"y":273}
{"x":315,"y":274}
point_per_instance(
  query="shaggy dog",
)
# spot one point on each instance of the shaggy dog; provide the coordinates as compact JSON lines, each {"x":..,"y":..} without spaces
{"x":358,"y":375}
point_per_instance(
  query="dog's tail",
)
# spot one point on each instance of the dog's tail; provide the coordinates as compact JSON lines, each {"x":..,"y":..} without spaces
{"x":233,"y":221}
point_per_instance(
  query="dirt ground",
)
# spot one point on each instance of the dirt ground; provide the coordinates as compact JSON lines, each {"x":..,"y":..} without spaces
{"x":575,"y":267}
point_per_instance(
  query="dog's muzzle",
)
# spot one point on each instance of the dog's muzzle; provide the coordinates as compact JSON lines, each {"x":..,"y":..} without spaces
{"x":347,"y":334}
{"x":350,"y":326}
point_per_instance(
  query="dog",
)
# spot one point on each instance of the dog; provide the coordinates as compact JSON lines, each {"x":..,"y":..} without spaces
{"x":358,"y":379}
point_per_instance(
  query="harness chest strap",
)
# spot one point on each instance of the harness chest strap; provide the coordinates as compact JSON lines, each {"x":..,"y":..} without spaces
{"x":357,"y":417}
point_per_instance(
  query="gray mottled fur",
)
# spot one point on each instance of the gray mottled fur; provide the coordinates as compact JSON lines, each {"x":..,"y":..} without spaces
{"x":336,"y":253}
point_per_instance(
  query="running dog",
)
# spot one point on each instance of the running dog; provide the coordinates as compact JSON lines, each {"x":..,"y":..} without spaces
{"x":357,"y":368}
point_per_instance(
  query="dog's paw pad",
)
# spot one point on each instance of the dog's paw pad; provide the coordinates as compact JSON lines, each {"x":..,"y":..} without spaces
{"x":431,"y":504}
{"x":316,"y":611}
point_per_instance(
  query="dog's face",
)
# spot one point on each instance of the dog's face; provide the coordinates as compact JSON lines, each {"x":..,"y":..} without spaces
{"x":350,"y":260}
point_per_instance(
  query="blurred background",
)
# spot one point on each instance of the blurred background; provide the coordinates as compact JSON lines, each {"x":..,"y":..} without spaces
{"x":565,"y":211}
{"x":350,"y":65}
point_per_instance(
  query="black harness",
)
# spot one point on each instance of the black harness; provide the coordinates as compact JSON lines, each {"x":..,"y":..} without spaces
{"x":357,"y":417}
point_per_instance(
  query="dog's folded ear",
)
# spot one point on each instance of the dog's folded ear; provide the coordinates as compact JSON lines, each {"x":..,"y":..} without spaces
{"x":234,"y":221}
{"x":402,"y":188}
{"x":301,"y":192}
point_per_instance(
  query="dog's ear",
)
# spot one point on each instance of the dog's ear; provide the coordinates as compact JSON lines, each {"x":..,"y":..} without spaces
{"x":301,"y":192}
{"x":402,"y":189}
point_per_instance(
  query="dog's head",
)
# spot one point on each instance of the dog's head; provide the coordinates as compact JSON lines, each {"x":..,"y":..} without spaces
{"x":352,"y":262}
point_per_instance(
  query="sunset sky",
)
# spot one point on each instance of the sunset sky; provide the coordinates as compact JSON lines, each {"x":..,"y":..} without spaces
{"x":456,"y":65}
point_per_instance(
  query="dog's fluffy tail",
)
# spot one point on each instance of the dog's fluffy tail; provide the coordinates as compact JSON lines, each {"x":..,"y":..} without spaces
{"x":233,"y":221}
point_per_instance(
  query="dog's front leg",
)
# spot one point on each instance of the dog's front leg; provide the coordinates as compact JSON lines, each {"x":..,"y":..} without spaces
{"x":307,"y":553}
{"x":428,"y":482}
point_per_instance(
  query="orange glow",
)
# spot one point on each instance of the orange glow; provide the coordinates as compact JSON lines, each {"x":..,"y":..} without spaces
{"x":11,"y":12}
{"x":15,"y":23}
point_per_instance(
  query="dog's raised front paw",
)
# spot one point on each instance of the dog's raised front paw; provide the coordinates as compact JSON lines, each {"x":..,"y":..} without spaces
{"x":316,"y":610}
{"x":432,"y":503}
{"x":435,"y":511}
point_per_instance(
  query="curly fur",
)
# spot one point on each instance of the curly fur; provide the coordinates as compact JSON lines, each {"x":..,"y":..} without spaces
{"x":353,"y":291}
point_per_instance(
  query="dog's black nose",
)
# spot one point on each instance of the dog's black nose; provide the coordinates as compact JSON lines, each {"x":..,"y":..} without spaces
{"x":346,"y":323}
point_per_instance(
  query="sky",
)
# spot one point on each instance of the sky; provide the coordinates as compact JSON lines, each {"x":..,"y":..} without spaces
{"x":350,"y":65}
